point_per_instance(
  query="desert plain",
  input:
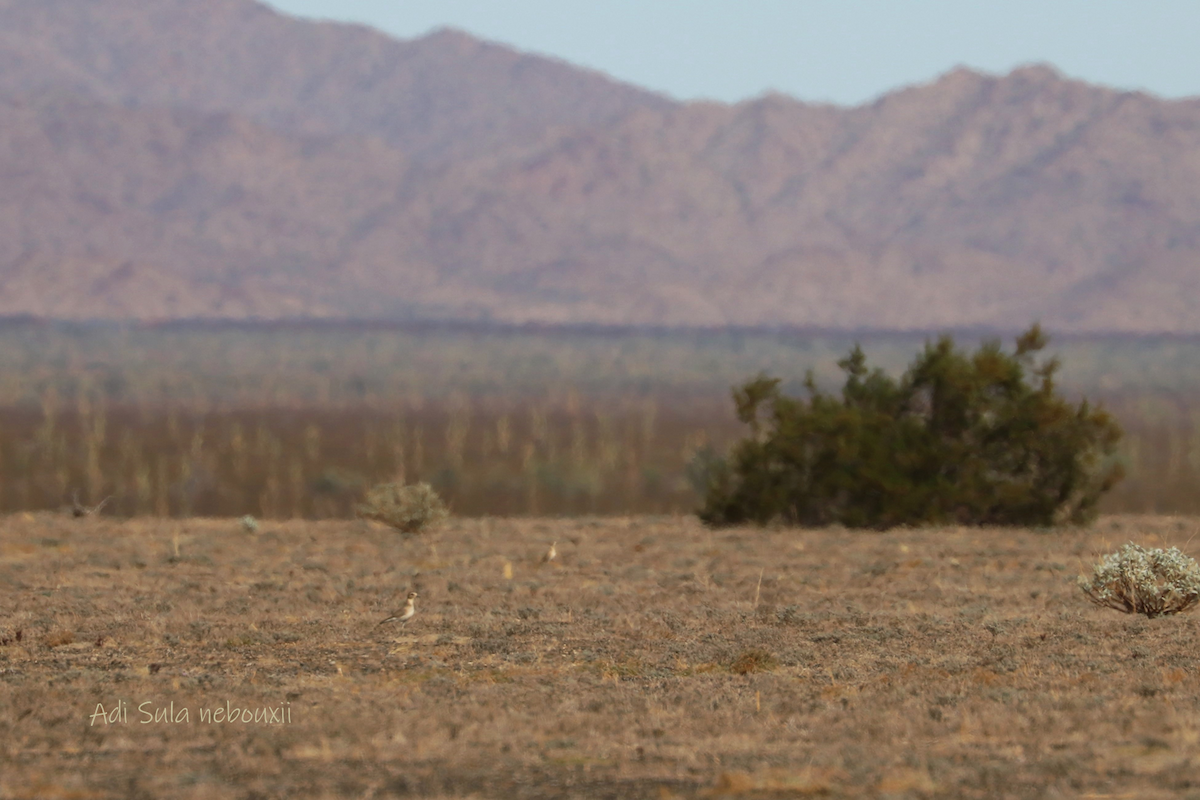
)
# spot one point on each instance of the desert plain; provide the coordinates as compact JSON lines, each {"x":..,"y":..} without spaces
{"x":654,"y":657}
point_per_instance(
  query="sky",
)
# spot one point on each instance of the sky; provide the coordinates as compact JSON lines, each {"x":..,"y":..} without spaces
{"x":841,"y":51}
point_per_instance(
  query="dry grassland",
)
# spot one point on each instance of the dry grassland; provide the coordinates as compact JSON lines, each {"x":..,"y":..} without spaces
{"x":649,"y":660}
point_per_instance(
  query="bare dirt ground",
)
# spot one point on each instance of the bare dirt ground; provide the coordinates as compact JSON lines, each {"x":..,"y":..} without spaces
{"x":647,"y":661}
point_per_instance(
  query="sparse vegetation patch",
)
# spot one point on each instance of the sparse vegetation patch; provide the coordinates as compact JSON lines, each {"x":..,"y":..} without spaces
{"x":962,"y":673}
{"x":407,"y":508}
{"x":1139,"y":580}
{"x":753,"y":660}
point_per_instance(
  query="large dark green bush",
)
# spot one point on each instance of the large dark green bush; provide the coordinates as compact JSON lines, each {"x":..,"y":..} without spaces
{"x":980,"y":439}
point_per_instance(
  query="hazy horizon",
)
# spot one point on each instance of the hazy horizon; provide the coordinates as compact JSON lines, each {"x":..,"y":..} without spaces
{"x":846,"y":54}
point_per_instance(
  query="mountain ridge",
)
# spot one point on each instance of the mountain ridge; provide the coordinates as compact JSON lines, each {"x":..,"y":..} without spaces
{"x":166,"y":164}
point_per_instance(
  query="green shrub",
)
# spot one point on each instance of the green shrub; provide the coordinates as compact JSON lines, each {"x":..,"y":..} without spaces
{"x":981,"y":439}
{"x":408,"y":508}
{"x":1140,"y":581}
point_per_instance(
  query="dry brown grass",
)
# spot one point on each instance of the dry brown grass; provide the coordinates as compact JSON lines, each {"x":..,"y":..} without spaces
{"x":648,"y":661}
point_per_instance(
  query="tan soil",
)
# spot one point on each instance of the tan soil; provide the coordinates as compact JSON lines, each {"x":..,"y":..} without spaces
{"x":647,"y":661}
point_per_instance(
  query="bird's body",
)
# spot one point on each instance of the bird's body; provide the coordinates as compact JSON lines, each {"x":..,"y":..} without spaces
{"x":405,"y":614}
{"x":79,"y":510}
{"x":551,"y":554}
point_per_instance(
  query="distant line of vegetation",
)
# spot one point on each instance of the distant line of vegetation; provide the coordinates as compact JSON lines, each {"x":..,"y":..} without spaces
{"x":374,"y":363}
{"x":294,"y":420}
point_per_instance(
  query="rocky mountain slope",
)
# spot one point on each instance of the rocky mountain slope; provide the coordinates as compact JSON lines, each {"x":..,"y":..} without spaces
{"x":166,"y":159}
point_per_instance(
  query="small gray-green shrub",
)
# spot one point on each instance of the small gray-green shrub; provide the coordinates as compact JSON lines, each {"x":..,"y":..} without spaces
{"x":1138,"y":580}
{"x":408,"y":508}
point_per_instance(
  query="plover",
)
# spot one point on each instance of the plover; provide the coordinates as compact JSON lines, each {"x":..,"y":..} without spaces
{"x":79,"y":510}
{"x":405,"y":613}
{"x":551,"y":554}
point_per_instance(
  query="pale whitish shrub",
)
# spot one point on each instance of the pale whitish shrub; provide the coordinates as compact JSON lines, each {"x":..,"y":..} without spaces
{"x":1137,"y":580}
{"x":409,"y":508}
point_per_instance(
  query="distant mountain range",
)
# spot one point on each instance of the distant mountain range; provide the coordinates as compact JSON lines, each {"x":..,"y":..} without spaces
{"x":170,"y":159}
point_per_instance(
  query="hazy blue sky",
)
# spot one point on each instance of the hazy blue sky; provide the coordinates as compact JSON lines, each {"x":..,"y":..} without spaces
{"x":845,"y":51}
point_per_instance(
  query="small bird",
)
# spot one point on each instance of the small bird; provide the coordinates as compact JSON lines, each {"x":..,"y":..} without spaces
{"x":79,"y":510}
{"x":405,"y":614}
{"x":551,"y":554}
